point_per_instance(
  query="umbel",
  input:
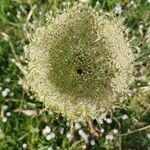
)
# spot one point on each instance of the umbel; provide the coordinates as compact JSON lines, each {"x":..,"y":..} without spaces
{"x":80,"y":63}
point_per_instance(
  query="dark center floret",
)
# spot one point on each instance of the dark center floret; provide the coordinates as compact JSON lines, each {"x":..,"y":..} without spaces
{"x":79,"y":71}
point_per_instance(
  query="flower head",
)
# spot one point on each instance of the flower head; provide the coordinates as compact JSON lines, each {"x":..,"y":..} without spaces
{"x":80,"y":64}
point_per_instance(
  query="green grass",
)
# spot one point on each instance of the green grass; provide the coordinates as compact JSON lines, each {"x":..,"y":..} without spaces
{"x":27,"y":121}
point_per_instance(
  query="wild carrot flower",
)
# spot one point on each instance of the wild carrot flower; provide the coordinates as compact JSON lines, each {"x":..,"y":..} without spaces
{"x":80,"y":63}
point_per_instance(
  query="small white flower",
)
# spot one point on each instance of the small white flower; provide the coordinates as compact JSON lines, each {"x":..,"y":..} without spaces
{"x":50,"y":148}
{"x":97,"y":3}
{"x":46,"y":130}
{"x":69,"y":136}
{"x":124,"y":117}
{"x":12,"y":60}
{"x":24,"y":146}
{"x":53,"y":135}
{"x":77,"y":126}
{"x":4,"y":93}
{"x":84,"y":146}
{"x":8,"y":13}
{"x":58,"y":148}
{"x":139,"y":84}
{"x":67,"y":123}
{"x":7,"y":90}
{"x":85,"y":124}
{"x":50,"y":136}
{"x":50,"y":113}
{"x":100,"y":120}
{"x":31,"y":97}
{"x":11,"y":94}
{"x":4,"y":107}
{"x":148,"y":1}
{"x":8,"y":114}
{"x":7,"y":80}
{"x":109,"y":137}
{"x":36,"y":130}
{"x":22,"y":9}
{"x":80,"y":132}
{"x":20,"y":82}
{"x":103,"y":116}
{"x":132,"y":3}
{"x":148,"y":136}
{"x":18,"y":14}
{"x":115,"y":131}
{"x":84,"y":136}
{"x":61,"y":131}
{"x":40,"y":13}
{"x":92,"y":142}
{"x":141,"y":26}
{"x":109,"y":120}
{"x":4,"y":119}
{"x":128,"y":130}
{"x":118,"y":9}
{"x":102,"y":130}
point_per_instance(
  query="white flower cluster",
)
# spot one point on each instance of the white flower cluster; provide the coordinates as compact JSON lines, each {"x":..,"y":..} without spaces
{"x":80,"y":63}
{"x":48,"y":134}
{"x":8,"y":114}
{"x":5,"y":92}
{"x":84,"y":136}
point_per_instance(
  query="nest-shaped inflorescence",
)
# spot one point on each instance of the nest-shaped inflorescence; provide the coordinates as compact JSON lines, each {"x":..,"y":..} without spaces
{"x":80,"y":63}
